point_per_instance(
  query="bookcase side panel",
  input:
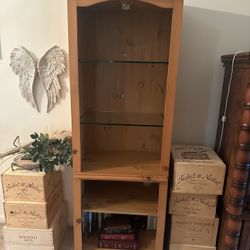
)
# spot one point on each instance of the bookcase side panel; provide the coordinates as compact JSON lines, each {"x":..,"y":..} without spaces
{"x":171,"y":82}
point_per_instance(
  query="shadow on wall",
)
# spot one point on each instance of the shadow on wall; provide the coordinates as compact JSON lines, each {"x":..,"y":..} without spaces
{"x":206,"y":35}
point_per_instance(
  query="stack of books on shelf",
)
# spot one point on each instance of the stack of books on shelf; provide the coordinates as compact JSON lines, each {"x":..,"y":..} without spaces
{"x":198,"y":179}
{"x":118,"y":232}
{"x":35,"y":213}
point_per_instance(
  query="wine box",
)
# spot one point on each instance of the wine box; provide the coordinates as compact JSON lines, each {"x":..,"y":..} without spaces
{"x":193,"y":204}
{"x":38,"y":238}
{"x":33,"y":215}
{"x":193,"y":230}
{"x":24,"y":185}
{"x":190,"y":247}
{"x":197,"y":170}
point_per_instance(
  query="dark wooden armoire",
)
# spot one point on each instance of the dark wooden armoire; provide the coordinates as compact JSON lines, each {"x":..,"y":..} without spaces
{"x":234,"y":231}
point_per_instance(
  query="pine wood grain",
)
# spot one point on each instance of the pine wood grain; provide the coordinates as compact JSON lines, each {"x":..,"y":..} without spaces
{"x":120,"y":198}
{"x":106,"y":32}
{"x":171,"y":82}
{"x":74,"y":87}
{"x":123,"y":166}
{"x":123,"y":87}
{"x":161,"y":216}
{"x":77,"y":214}
{"x":159,"y":3}
{"x":123,"y":138}
{"x":112,"y":34}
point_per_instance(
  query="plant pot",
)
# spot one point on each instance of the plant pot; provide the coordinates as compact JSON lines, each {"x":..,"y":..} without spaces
{"x":25,"y":164}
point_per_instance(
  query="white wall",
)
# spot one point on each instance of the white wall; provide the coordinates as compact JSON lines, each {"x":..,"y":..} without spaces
{"x":38,"y":25}
{"x":206,"y":35}
{"x":241,"y":7}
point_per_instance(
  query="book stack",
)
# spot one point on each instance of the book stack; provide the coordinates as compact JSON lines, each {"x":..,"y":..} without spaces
{"x":118,"y":232}
{"x":198,"y":179}
{"x":35,"y":213}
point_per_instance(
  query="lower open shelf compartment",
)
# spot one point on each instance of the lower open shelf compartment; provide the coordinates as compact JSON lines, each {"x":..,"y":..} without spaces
{"x":138,"y":202}
{"x":120,"y":197}
{"x":146,"y":240}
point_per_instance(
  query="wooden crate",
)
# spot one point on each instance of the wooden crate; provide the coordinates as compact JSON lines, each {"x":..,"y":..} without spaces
{"x":197,"y":170}
{"x":193,"y":204}
{"x":193,"y":230}
{"x":190,"y":247}
{"x":51,"y":237}
{"x":33,"y":215}
{"x":28,"y":247}
{"x":24,"y":185}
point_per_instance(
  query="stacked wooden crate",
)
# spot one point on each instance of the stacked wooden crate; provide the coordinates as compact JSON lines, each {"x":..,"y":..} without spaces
{"x":35,"y":213}
{"x":198,"y":178}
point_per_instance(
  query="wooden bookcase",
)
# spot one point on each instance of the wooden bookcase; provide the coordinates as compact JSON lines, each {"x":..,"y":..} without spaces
{"x":123,"y":69}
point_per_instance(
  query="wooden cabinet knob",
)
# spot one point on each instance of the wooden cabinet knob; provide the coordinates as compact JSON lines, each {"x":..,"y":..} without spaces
{"x":148,"y":179}
{"x":74,"y":151}
{"x":79,"y":221}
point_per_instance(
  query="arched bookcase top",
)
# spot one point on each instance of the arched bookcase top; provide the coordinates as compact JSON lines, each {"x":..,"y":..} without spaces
{"x":158,"y":3}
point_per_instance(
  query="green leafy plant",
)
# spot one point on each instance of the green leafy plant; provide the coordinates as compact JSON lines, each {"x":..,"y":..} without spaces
{"x":50,"y":152}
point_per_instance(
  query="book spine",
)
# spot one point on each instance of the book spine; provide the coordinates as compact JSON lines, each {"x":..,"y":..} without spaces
{"x":90,"y":215}
{"x":99,"y":221}
{"x":151,"y":222}
{"x":117,"y":231}
{"x":118,"y":244}
{"x":104,"y":236}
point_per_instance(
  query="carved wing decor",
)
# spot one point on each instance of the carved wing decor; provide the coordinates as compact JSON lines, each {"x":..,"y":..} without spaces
{"x":49,"y":67}
{"x":24,"y":65}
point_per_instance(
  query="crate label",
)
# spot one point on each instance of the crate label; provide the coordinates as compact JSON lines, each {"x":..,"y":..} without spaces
{"x":23,"y":190}
{"x":200,"y":155}
{"x":27,"y":237}
{"x":26,"y":213}
{"x":198,"y":180}
{"x":190,"y":204}
{"x":193,"y":230}
{"x":194,"y":202}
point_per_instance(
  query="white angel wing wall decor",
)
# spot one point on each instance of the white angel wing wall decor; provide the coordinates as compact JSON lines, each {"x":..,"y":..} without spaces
{"x":49,"y":67}
{"x":24,"y":65}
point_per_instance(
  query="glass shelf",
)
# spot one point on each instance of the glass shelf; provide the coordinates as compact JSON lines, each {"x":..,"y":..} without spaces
{"x":123,"y":61}
{"x":122,"y":119}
